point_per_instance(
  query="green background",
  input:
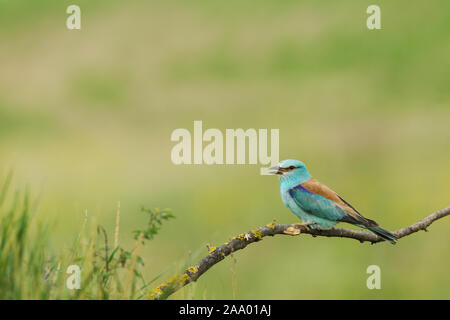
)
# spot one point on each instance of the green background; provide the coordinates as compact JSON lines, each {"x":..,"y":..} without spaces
{"x":86,"y":118}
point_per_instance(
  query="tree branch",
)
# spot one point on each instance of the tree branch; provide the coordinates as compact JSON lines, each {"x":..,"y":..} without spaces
{"x":217,"y":254}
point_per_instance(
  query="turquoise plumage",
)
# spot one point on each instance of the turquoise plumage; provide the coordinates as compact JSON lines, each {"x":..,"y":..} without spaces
{"x":318,"y":206}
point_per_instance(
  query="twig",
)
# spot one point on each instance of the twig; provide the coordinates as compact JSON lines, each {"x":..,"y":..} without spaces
{"x":241,"y":241}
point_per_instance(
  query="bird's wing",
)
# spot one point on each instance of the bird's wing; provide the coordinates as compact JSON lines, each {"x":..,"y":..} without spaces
{"x":319,"y":200}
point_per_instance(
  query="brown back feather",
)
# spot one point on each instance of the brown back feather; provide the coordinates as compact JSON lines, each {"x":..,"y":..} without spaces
{"x":354,"y":217}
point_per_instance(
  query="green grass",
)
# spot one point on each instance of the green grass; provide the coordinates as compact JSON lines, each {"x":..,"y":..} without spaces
{"x":31,"y":269}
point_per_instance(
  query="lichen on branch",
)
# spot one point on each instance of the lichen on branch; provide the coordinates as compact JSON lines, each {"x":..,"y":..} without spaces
{"x":239,"y":242}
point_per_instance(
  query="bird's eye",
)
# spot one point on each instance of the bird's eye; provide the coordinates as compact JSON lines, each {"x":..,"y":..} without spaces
{"x":292,"y":167}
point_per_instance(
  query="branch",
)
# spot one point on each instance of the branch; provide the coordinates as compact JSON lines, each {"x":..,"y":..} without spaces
{"x":241,"y":241}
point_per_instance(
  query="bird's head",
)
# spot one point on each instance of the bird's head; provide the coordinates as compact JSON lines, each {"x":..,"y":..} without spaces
{"x":291,"y":170}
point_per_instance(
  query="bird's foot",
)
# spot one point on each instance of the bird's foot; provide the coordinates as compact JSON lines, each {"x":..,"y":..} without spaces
{"x":294,"y":229}
{"x":305,"y":224}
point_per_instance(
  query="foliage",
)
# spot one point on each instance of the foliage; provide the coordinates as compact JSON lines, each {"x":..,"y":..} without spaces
{"x":30,"y":270}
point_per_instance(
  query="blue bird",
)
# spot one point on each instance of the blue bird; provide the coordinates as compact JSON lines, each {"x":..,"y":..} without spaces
{"x":318,"y":206}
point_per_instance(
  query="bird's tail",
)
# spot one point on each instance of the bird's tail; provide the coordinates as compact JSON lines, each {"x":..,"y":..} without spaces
{"x":383,"y":233}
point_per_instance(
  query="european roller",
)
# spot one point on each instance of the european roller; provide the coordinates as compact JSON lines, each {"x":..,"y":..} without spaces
{"x":318,"y":206}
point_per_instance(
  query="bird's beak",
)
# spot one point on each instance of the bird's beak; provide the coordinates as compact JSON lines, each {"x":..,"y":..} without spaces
{"x":274,"y":170}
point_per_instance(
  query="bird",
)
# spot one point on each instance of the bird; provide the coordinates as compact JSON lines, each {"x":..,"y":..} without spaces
{"x":318,"y":206}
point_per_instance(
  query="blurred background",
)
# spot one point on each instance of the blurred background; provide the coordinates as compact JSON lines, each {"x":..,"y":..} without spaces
{"x":86,"y":118}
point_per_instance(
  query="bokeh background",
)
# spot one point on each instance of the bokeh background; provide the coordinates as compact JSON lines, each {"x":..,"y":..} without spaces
{"x":86,"y":118}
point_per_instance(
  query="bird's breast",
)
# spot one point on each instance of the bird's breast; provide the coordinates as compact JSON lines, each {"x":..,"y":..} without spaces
{"x":287,"y":200}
